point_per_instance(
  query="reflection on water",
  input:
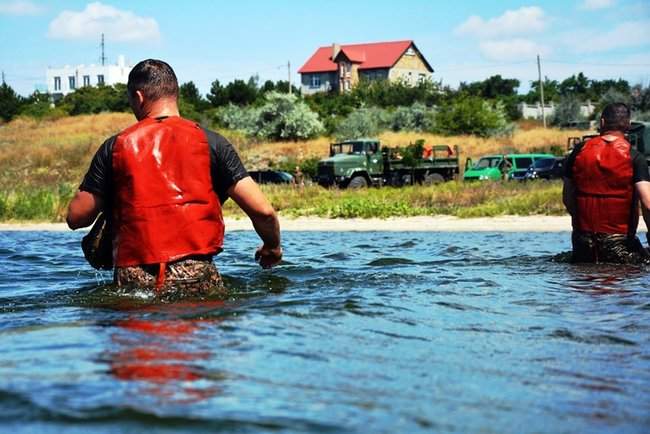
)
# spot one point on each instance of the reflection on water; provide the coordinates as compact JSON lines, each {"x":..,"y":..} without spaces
{"x":367,"y":332}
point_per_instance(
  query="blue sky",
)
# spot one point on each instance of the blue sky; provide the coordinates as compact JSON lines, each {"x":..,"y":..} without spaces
{"x":204,"y":40}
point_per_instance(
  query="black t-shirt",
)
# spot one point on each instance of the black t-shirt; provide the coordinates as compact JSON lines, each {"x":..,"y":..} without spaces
{"x":639,"y":164}
{"x":226,"y":167}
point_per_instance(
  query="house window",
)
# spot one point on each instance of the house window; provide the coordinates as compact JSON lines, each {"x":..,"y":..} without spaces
{"x":71,"y":82}
{"x":315,"y":80}
{"x":100,"y":79}
{"x":86,"y":80}
{"x":410,"y":52}
{"x":57,"y":83}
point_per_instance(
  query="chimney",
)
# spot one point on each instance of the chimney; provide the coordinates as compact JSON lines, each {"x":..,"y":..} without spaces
{"x":336,"y":48}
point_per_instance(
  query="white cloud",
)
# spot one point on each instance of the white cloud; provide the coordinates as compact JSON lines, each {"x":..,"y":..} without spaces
{"x":527,"y":19}
{"x":512,"y":49}
{"x":20,"y":7}
{"x":97,"y":18}
{"x":597,"y":4}
{"x":625,"y":34}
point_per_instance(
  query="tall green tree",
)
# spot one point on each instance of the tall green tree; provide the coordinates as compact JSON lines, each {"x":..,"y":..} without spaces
{"x":10,"y":102}
{"x":218,"y":95}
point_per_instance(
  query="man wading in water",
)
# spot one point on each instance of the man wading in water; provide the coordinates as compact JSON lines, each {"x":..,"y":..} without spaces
{"x":161,"y":183}
{"x":604,"y":180}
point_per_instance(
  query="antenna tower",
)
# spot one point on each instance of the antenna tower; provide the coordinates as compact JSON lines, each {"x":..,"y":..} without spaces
{"x":103,"y":58}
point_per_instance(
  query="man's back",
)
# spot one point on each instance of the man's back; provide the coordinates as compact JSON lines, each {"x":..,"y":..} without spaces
{"x":164,"y":207}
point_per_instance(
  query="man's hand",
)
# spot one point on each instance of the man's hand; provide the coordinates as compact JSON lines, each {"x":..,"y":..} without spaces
{"x":268,"y":257}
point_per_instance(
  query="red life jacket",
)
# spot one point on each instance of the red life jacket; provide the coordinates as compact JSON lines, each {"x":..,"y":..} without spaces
{"x":164,"y":207}
{"x":603,"y":177}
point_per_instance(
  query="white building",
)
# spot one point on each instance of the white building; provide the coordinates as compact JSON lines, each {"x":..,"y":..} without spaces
{"x":62,"y":81}
{"x":534,"y":111}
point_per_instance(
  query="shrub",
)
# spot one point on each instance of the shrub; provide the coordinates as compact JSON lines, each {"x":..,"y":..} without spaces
{"x":282,"y":116}
{"x":363,"y":122}
{"x":414,"y":118}
{"x":472,"y":115}
{"x":567,"y":110}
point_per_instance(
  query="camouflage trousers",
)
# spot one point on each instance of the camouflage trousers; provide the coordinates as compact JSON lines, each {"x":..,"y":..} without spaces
{"x":187,"y":277}
{"x":612,"y":248}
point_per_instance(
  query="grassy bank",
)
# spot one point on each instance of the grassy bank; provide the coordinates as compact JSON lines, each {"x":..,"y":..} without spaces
{"x":42,"y":163}
{"x":452,"y":198}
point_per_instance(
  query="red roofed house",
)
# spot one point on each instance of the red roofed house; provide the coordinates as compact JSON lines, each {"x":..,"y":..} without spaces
{"x":340,"y":67}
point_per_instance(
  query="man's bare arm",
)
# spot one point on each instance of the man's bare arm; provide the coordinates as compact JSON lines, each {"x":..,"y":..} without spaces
{"x":569,"y":196}
{"x":643,"y":190}
{"x":83,"y":209}
{"x":252,"y":201}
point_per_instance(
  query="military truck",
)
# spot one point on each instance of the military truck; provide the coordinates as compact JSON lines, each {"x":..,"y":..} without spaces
{"x":363,"y":162}
{"x":638,"y":135}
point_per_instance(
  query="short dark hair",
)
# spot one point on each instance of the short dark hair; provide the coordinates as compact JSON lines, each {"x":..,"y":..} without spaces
{"x":154,"y":78}
{"x":616,"y":117}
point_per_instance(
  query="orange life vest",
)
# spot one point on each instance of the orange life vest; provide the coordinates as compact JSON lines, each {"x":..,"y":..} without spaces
{"x":164,"y":207}
{"x":603,"y":177}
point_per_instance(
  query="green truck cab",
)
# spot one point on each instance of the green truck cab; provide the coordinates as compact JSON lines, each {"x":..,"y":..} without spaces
{"x":495,"y":167}
{"x":363,"y":162}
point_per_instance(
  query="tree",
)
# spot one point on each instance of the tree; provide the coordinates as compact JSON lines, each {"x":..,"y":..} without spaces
{"x":10,"y":102}
{"x":576,"y":85}
{"x":89,"y":99}
{"x":492,"y":87}
{"x":218,"y":95}
{"x":551,"y":91}
{"x":241,"y":93}
{"x":640,"y":98}
{"x":191,"y":95}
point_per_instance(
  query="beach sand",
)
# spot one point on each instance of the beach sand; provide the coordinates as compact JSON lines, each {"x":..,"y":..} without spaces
{"x":417,"y":224}
{"x":403,"y":224}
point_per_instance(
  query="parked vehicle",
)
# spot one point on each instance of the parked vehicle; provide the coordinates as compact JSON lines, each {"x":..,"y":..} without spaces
{"x":495,"y":167}
{"x":271,"y":177}
{"x":546,"y":168}
{"x":360,"y":163}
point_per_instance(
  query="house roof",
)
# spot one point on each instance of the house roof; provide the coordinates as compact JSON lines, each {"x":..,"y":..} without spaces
{"x":368,"y":56}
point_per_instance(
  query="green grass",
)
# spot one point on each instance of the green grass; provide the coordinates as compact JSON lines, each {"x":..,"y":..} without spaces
{"x":459,"y":199}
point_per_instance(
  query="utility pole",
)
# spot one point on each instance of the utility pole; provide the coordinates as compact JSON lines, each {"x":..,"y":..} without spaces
{"x":3,"y":77}
{"x":289,"y":75}
{"x":541,"y":90}
{"x":103,"y":58}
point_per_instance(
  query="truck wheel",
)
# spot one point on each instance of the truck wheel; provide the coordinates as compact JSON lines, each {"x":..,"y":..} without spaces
{"x":358,"y":182}
{"x":433,"y":178}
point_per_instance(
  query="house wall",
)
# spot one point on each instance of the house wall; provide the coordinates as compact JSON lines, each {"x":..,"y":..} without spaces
{"x":113,"y":74}
{"x":328,"y":82}
{"x":410,"y":68}
{"x":534,"y":111}
{"x":373,"y":74}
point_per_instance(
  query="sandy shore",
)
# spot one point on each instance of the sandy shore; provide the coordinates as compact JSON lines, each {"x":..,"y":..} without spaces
{"x":416,"y":224}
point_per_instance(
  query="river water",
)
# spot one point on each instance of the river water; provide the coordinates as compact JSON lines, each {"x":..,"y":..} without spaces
{"x":354,"y":332}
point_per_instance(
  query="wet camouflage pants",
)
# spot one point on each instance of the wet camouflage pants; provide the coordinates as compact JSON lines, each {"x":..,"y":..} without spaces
{"x":612,"y":248}
{"x":187,"y":277}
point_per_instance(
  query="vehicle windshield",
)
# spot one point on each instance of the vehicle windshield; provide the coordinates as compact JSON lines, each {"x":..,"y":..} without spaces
{"x":486,"y":162}
{"x":348,"y":148}
{"x":523,"y":162}
{"x":544,"y":163}
{"x":285,"y":176}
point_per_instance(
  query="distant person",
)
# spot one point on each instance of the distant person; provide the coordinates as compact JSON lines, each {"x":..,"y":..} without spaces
{"x":604,"y":180}
{"x":161,"y":183}
{"x":505,"y":167}
{"x":299,"y":178}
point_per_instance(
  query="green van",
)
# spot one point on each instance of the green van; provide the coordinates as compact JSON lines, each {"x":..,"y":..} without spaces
{"x":495,"y":167}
